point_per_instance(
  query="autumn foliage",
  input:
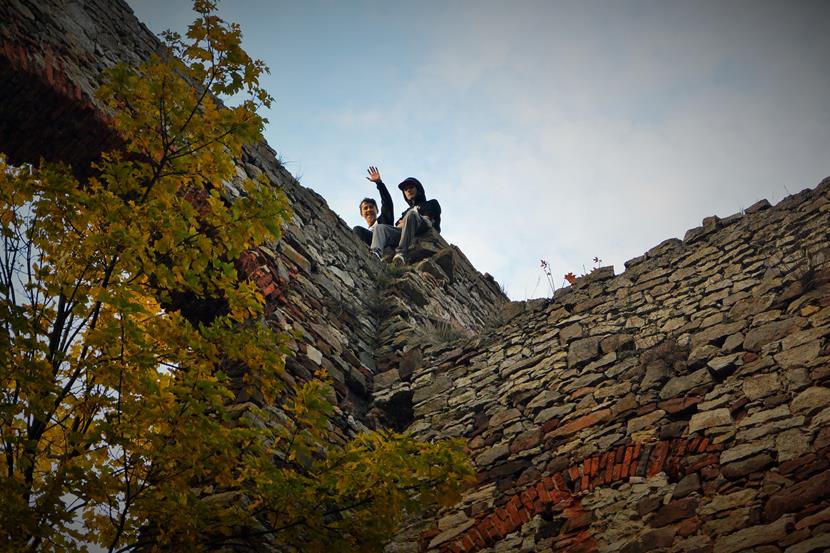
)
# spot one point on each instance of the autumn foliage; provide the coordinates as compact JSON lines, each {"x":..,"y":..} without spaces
{"x":118,"y":418}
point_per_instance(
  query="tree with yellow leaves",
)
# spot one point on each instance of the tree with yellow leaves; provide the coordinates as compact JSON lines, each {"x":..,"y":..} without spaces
{"x":117,"y":416}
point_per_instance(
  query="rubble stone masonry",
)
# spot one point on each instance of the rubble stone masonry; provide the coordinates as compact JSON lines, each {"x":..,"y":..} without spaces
{"x":683,"y":405}
{"x":337,"y":302}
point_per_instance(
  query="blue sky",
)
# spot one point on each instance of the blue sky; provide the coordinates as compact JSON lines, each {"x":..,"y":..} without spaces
{"x":547,"y":130}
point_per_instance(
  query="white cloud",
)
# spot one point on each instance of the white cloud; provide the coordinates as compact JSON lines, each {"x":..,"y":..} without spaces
{"x":564,"y":131}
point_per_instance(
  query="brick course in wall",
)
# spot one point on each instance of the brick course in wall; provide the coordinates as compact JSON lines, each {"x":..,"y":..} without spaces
{"x":559,"y":491}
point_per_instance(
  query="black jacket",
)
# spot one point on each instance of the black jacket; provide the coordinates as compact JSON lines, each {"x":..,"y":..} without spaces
{"x":427,"y":208}
{"x":387,"y":209}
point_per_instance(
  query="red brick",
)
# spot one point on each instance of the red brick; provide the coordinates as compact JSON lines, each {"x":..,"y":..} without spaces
{"x":502,"y":527}
{"x":515,"y":515}
{"x":487,"y":530}
{"x":559,"y":480}
{"x":508,"y":521}
{"x":681,"y":448}
{"x":556,"y":496}
{"x":715,"y":448}
{"x":478,"y":539}
{"x":513,"y":523}
{"x":515,"y":519}
{"x":574,"y":473}
{"x":634,"y":459}
{"x":581,"y":423}
{"x":586,"y":466}
{"x":694,"y":443}
{"x":625,"y":471}
{"x":542,"y":492}
{"x":629,"y":451}
{"x":609,"y":467}
{"x":658,"y":457}
{"x":528,"y":496}
{"x":584,"y":483}
{"x":615,"y":474}
{"x":467,"y":543}
{"x":619,"y":454}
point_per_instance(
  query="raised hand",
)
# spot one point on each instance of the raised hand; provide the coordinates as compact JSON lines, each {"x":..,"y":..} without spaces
{"x":374,"y":174}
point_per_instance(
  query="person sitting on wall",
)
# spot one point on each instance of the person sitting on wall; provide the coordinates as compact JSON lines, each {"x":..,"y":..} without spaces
{"x":419,"y":217}
{"x":369,"y":210}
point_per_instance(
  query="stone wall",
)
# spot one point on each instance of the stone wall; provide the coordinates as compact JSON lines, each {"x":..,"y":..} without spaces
{"x":683,"y":405}
{"x":356,"y":314}
{"x":320,"y":282}
{"x":51,"y":56}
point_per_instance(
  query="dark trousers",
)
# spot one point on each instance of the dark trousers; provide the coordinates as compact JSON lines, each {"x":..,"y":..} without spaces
{"x":364,"y":234}
{"x":387,"y":235}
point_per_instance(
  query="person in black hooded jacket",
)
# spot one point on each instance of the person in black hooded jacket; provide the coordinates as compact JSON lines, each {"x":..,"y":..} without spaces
{"x":419,"y":217}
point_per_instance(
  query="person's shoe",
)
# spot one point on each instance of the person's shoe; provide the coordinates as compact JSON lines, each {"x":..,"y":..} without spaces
{"x":377,"y":255}
{"x":398,"y":260}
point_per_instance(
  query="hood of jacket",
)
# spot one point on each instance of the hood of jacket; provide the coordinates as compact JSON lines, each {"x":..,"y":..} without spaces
{"x":420,"y":196}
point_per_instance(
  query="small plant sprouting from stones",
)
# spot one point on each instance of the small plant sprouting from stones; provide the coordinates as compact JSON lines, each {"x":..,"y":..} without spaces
{"x":440,"y":332}
{"x":571,"y":278}
{"x":380,"y":306}
{"x":804,"y":269}
{"x":546,"y":270}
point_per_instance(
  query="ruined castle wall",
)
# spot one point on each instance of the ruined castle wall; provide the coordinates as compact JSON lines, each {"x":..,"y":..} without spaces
{"x":680,"y":406}
{"x":51,"y":56}
{"x":320,"y":282}
{"x":683,"y":405}
{"x":349,"y":309}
